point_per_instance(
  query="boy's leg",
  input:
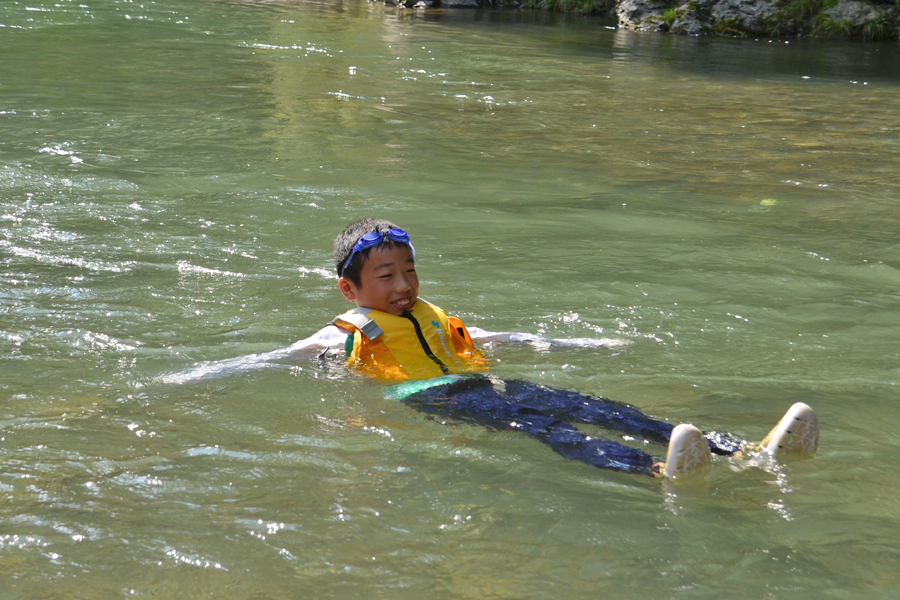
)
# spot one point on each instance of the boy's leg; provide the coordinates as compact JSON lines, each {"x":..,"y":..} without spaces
{"x":478,"y":401}
{"x":573,"y":406}
{"x":535,"y":409}
{"x":572,"y":444}
{"x":566,"y":405}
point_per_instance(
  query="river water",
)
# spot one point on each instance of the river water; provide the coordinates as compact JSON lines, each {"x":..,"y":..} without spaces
{"x":173,"y":173}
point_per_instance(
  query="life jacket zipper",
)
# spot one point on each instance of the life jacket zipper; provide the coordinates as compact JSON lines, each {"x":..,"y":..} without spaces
{"x":425,"y":347}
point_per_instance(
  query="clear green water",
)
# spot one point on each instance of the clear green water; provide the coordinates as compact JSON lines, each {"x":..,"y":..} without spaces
{"x":172,"y":175}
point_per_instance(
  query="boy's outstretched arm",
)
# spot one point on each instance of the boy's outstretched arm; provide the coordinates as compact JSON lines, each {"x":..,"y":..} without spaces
{"x":482,"y":336}
{"x":327,"y":338}
{"x":331,"y":337}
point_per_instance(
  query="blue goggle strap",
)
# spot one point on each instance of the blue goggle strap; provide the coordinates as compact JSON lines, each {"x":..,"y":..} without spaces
{"x":373,"y":238}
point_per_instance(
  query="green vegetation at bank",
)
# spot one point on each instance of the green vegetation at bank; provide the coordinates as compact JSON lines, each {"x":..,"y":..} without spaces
{"x":811,"y":17}
{"x":580,"y":7}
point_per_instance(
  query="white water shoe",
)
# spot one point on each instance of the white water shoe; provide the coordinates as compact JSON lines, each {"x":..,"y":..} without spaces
{"x":796,"y":432}
{"x":688,"y":452}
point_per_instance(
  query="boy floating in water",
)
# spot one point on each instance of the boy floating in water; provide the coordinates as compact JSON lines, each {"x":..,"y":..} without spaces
{"x":397,"y":338}
{"x":394,"y":336}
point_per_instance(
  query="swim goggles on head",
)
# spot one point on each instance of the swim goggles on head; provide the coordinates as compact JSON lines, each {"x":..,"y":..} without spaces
{"x":373,"y":238}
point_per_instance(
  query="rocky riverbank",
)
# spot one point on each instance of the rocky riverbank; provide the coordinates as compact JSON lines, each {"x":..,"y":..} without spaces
{"x":848,"y":18}
{"x":877,"y":20}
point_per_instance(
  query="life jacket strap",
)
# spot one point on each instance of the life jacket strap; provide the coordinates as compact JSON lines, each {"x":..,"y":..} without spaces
{"x":359,"y":318}
{"x":425,"y":347}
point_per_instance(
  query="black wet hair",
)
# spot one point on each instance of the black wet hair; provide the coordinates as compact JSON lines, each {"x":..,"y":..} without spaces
{"x":344,"y":242}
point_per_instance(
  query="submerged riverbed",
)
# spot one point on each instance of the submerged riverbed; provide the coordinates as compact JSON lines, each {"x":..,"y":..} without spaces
{"x":173,"y":173}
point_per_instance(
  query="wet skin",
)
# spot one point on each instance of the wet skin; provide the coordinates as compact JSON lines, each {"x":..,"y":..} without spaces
{"x":388,"y":281}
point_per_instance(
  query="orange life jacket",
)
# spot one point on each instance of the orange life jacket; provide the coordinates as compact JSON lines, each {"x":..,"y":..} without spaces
{"x":421,"y":344}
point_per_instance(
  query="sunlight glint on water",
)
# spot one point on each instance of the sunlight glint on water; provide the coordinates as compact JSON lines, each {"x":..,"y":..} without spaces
{"x":172,"y":175}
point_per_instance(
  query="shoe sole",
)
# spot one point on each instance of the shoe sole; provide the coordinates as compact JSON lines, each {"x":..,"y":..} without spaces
{"x":796,"y":433}
{"x":688,"y":452}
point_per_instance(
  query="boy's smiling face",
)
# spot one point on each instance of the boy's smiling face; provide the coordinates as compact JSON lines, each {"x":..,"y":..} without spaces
{"x":388,"y":281}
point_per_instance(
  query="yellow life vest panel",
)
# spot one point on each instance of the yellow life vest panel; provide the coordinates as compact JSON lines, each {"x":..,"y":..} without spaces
{"x":421,"y":344}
